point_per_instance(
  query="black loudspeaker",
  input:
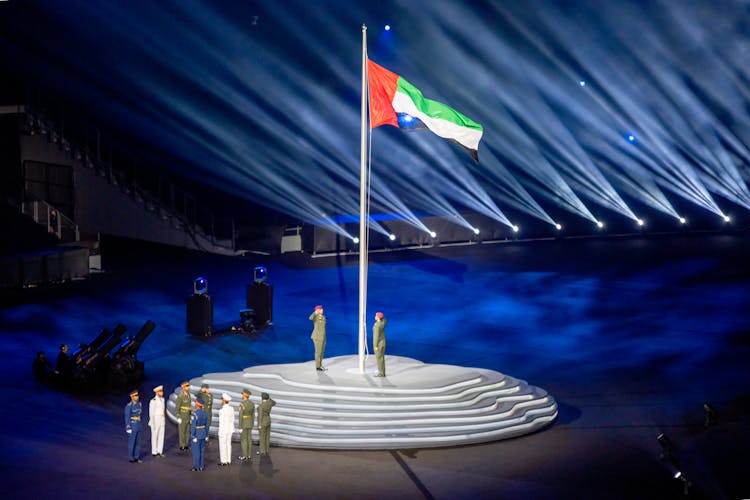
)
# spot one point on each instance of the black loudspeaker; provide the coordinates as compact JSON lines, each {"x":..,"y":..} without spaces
{"x":200,"y":315}
{"x":260,"y":300}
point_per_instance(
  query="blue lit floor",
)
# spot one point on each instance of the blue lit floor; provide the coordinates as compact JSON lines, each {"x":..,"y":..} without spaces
{"x":630,"y":336}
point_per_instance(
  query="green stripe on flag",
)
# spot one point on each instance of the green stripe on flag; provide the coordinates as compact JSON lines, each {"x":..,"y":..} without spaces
{"x":435,"y":109}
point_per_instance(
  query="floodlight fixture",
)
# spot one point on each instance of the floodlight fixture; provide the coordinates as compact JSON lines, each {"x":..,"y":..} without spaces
{"x":260,"y":274}
{"x":475,"y":230}
{"x":200,"y":286}
{"x":433,"y":234}
{"x":671,"y":465}
{"x":666,"y":445}
{"x":355,"y":240}
{"x":392,"y":237}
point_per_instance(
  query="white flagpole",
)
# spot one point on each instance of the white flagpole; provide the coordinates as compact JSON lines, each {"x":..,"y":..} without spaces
{"x":363,"y":216}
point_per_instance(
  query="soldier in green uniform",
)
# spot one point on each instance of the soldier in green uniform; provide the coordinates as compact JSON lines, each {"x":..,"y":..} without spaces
{"x":319,"y":336}
{"x":264,"y":422}
{"x":378,"y":342}
{"x":208,"y":403}
{"x":183,"y":407}
{"x":246,"y":421}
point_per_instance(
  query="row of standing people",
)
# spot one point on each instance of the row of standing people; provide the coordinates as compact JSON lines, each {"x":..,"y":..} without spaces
{"x":194,"y":421}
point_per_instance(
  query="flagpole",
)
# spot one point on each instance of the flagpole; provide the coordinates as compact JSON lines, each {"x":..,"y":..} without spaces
{"x":363,"y":218}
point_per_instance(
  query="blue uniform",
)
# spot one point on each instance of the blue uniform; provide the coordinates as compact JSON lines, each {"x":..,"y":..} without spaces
{"x":133,"y":412}
{"x":198,"y":435}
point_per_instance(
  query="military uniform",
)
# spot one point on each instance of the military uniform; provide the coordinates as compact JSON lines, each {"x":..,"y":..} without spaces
{"x":246,"y":421}
{"x":183,"y":409}
{"x":157,"y":421}
{"x":208,"y":403}
{"x":226,"y":430}
{"x":318,"y":337}
{"x":133,"y":413}
{"x":264,"y":423}
{"x":198,"y":435}
{"x":378,"y":342}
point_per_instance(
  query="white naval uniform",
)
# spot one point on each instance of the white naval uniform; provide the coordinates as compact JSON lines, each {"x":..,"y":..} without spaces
{"x":226,"y":429}
{"x":156,"y":421}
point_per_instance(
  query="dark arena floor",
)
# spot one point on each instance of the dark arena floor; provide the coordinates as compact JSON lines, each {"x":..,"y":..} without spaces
{"x":630,"y":335}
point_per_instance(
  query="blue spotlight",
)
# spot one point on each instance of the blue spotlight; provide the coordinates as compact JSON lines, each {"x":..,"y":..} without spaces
{"x":476,"y":230}
{"x":260,"y":274}
{"x":683,"y":220}
{"x":631,"y":138}
{"x":433,"y":234}
{"x":200,"y":286}
{"x":581,"y":83}
{"x":392,"y":237}
{"x":515,"y":228}
{"x":599,"y":224}
{"x":355,"y":240}
{"x":387,"y":27}
{"x":727,"y":218}
{"x":558,"y":226}
{"x":640,"y":222}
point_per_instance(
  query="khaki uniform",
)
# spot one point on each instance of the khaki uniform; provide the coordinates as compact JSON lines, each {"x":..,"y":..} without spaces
{"x":264,"y":424}
{"x":208,"y":405}
{"x":246,"y":421}
{"x":378,"y":341}
{"x":318,"y":337}
{"x":183,"y":406}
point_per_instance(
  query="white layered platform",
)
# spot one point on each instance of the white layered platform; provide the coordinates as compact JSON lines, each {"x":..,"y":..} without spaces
{"x":417,"y":405}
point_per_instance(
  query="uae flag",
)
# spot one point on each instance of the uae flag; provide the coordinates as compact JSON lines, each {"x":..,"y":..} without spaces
{"x":394,"y":101}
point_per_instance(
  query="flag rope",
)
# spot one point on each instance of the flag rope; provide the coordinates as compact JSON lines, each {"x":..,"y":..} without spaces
{"x":366,"y":243}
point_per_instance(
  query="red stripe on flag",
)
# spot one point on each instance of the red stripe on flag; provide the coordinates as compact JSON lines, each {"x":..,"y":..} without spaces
{"x":383,"y":84}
